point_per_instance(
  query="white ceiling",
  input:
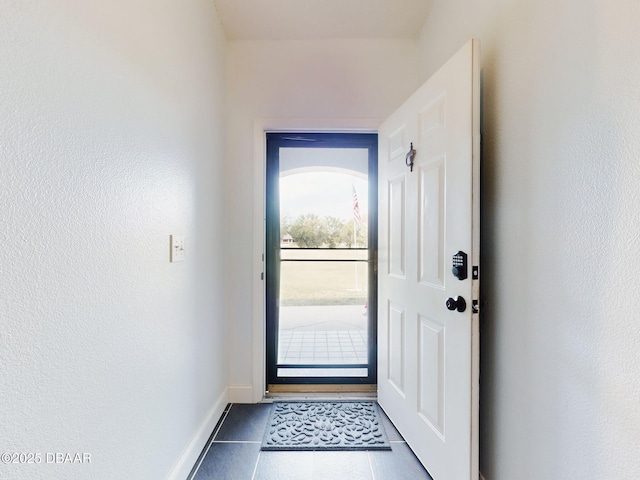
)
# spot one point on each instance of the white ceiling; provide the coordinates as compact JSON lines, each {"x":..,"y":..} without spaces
{"x":312,"y":19}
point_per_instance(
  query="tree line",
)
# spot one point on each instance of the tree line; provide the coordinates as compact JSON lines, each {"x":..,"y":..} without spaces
{"x":311,"y":231}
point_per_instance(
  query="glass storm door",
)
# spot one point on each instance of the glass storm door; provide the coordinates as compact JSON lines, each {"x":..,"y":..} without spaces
{"x":321,"y":222}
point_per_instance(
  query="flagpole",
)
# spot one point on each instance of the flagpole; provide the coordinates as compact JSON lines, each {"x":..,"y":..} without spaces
{"x":355,"y":245}
{"x":356,"y":220}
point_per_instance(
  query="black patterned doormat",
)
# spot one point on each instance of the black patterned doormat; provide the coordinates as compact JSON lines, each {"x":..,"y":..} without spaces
{"x":342,"y":425}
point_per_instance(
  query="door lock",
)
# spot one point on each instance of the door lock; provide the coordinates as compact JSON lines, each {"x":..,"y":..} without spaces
{"x":457,"y":303}
{"x":459,"y":265}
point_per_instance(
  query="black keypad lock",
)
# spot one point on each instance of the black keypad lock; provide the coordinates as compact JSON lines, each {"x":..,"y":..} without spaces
{"x":459,"y":268}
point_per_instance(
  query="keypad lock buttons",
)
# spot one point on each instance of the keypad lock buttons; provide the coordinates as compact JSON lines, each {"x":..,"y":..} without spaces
{"x":459,"y":265}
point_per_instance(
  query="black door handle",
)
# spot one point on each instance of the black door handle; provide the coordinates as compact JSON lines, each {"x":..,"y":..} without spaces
{"x":457,"y":303}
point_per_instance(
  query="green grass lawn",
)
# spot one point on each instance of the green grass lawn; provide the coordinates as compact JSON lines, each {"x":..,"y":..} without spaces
{"x":323,"y":283}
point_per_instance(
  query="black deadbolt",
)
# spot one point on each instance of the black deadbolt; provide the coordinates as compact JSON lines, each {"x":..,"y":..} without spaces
{"x":459,"y":265}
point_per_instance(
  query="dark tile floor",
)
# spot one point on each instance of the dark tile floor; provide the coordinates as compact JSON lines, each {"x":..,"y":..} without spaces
{"x":233,"y":453}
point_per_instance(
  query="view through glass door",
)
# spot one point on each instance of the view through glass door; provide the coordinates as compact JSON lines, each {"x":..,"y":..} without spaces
{"x":321,"y":256}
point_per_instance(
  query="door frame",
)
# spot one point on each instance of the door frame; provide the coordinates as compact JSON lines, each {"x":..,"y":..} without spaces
{"x":327,"y":140}
{"x":255,"y":392}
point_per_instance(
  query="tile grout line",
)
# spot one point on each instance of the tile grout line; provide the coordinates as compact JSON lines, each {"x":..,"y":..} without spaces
{"x":373,"y":475}
{"x":255,"y":468}
{"x":226,"y":414}
{"x":210,"y":442}
{"x":250,"y":442}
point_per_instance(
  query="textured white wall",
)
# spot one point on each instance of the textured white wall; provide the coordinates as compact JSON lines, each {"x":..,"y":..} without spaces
{"x":111,"y":139}
{"x":316,"y":82}
{"x":560,"y":396}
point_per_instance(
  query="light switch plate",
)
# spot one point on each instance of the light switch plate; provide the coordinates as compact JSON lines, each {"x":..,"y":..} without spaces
{"x":177,"y":245}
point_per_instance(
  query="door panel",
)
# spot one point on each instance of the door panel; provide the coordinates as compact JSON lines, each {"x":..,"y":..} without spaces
{"x":431,"y":210}
{"x":428,"y":354}
{"x":396,"y":335}
{"x":397,"y":241}
{"x":431,"y":373}
{"x":397,"y":142}
{"x":432,"y":117}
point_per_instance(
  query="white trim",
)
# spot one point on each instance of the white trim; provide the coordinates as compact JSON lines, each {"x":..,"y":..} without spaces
{"x":240,"y":394}
{"x":190,"y":455}
{"x":475,"y":285}
{"x":260,"y":127}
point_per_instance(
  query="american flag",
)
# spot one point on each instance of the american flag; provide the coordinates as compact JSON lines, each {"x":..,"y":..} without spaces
{"x":356,"y":207}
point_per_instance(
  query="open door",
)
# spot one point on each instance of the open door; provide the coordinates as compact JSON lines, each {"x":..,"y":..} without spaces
{"x":428,"y":359}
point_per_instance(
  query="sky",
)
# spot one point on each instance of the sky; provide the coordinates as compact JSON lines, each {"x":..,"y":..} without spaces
{"x":322,"y":193}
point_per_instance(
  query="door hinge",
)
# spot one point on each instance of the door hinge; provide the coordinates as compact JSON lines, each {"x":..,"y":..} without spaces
{"x":262,"y":276}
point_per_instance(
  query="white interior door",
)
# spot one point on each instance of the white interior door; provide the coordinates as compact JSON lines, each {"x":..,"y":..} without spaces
{"x":428,"y":354}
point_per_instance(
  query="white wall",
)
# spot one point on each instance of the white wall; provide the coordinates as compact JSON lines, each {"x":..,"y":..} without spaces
{"x":314,"y":84}
{"x":111,"y":139}
{"x":560,"y":396}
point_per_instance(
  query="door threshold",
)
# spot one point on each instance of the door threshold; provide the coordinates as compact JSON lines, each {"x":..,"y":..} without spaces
{"x":321,"y":392}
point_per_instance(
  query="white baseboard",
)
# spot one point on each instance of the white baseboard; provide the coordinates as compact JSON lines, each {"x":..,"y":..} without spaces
{"x":187,"y":460}
{"x":240,"y":393}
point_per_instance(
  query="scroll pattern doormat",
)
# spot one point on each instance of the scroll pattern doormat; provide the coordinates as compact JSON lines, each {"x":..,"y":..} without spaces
{"x":342,"y":425}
